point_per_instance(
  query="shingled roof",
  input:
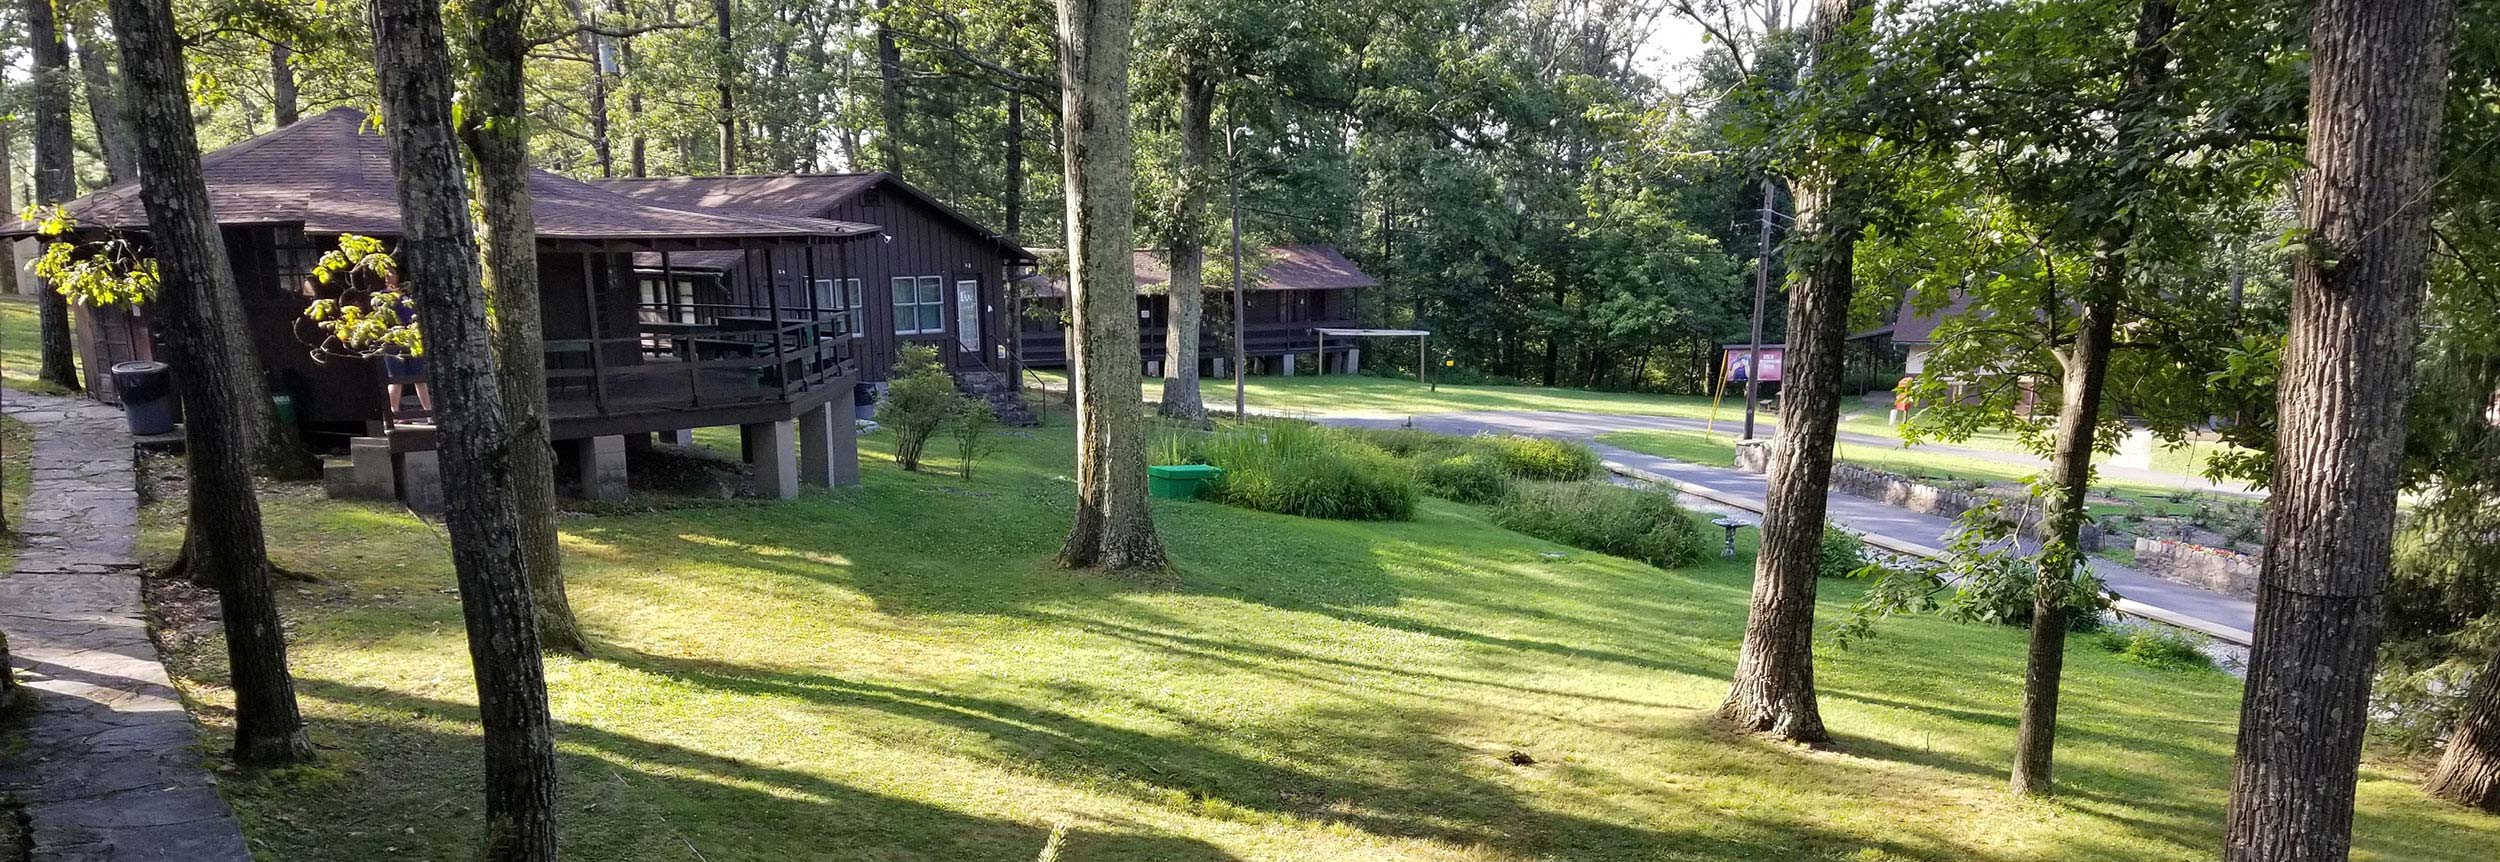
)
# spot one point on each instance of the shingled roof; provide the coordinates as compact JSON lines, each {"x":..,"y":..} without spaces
{"x":797,"y":195}
{"x":1289,"y":267}
{"x":332,"y":174}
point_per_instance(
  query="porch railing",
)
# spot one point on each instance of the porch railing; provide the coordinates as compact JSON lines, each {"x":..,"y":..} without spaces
{"x":685,"y":357}
{"x":1258,"y":339}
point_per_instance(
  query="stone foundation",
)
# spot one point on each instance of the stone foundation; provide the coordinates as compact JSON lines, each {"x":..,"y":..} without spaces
{"x":2228,"y":572}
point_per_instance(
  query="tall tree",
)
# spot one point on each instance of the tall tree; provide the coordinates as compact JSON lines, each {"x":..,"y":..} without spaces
{"x":889,"y":91}
{"x":496,"y":128}
{"x":204,"y":339}
{"x":2377,"y":71}
{"x":726,"y":68}
{"x":2079,"y":411}
{"x":1774,"y":685}
{"x":2469,"y":772}
{"x":285,"y":98}
{"x":56,"y":180}
{"x":8,"y":202}
{"x":104,"y":110}
{"x":1114,"y":529}
{"x":1186,"y":241}
{"x":438,"y":252}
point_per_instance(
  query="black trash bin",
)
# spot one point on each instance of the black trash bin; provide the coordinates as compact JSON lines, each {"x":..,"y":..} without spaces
{"x":147,"y":390}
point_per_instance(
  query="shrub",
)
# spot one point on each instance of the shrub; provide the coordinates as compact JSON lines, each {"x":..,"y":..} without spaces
{"x":971,"y":425}
{"x":1297,"y":468}
{"x":1408,"y":442}
{"x":2154,"y":647}
{"x":1625,"y":522}
{"x":1840,"y":554}
{"x":918,"y":401}
{"x":1468,"y":477}
{"x":1542,"y":458}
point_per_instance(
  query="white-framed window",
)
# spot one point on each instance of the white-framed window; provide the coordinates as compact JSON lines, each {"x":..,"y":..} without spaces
{"x":844,"y":295}
{"x":968,"y":315}
{"x":919,"y":304}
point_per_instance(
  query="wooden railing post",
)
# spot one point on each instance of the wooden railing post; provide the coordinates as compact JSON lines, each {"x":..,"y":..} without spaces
{"x":598,"y":363}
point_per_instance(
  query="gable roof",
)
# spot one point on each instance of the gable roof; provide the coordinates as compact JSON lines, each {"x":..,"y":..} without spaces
{"x":1289,"y":267}
{"x":333,"y":175}
{"x":799,"y":195}
{"x":1913,"y":327}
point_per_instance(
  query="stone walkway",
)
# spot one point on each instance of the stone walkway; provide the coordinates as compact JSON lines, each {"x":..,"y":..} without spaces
{"x":110,"y":769}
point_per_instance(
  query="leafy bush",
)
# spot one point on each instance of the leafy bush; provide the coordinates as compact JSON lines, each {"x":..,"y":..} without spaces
{"x":1625,"y":522}
{"x":1468,"y":477}
{"x":1840,"y":554}
{"x":1543,"y":458}
{"x":918,"y":401}
{"x":1997,"y":588}
{"x":970,"y":426}
{"x":1406,"y":442}
{"x":2157,"y":647}
{"x":1297,"y":468}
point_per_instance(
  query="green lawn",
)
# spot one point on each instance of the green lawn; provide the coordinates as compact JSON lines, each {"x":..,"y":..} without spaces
{"x":20,"y":345}
{"x":898,"y":673}
{"x":1358,"y":395}
{"x":17,"y":446}
{"x":1719,"y":450}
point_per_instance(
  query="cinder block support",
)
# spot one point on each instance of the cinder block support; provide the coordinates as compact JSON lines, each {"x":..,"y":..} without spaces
{"x":774,"y":456}
{"x":601,"y":461}
{"x":421,"y":481}
{"x":1289,"y":358}
{"x":369,"y":461}
{"x":1353,"y":359}
{"x":1223,"y":368}
{"x":827,"y":441}
{"x":677,"y":436}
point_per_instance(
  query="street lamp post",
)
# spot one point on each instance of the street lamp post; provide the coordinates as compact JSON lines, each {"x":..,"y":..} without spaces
{"x":1232,"y":186}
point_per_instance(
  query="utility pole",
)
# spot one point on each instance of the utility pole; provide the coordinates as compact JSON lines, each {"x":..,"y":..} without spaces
{"x":1761,"y":263}
{"x":1232,"y":188}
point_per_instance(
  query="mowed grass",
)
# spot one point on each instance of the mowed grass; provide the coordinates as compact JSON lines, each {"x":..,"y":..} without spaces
{"x":1360,"y":395}
{"x":21,"y":345}
{"x":1719,"y":450}
{"x":897,"y":672}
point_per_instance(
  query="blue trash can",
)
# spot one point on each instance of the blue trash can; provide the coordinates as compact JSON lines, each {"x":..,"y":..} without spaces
{"x":147,"y":391}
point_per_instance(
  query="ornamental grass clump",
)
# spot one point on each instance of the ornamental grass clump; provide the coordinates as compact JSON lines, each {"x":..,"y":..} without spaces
{"x":1543,"y":459}
{"x":1297,"y":468}
{"x":1627,"y":522}
{"x":1466,"y":477}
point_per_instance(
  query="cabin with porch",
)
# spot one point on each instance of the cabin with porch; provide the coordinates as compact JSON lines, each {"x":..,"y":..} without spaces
{"x":931,"y":275}
{"x":621,"y":366}
{"x":1301,"y":290}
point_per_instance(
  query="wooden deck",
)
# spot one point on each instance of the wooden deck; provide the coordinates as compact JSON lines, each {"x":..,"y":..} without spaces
{"x":1046,"y":349}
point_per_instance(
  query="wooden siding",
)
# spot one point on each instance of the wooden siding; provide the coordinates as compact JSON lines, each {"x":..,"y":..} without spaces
{"x":1274,"y":323}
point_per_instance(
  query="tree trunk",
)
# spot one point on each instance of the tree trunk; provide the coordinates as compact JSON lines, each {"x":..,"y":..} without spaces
{"x":1774,"y":686}
{"x":2469,"y":773}
{"x":727,"y":71}
{"x":890,"y":91}
{"x":285,"y":100}
{"x":56,"y":181}
{"x":1015,"y":167}
{"x":1113,"y":529}
{"x":2377,"y":69}
{"x":439,"y":255}
{"x":104,"y":109}
{"x":2079,"y":414}
{"x":8,"y":205}
{"x":1189,"y":252}
{"x":497,"y":132}
{"x":204,"y":345}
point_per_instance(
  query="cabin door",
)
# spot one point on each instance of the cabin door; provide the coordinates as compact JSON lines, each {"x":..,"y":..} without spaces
{"x":969,"y":325}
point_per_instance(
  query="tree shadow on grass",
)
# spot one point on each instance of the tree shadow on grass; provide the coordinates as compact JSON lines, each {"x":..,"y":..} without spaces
{"x":624,"y":797}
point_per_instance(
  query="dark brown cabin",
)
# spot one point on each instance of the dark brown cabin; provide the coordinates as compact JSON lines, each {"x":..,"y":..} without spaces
{"x":1302,"y":289}
{"x":617,"y":362}
{"x":931,"y":275}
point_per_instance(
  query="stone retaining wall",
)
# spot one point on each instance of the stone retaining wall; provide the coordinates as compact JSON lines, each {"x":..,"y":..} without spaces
{"x":2222,"y":571}
{"x":1895,"y":489}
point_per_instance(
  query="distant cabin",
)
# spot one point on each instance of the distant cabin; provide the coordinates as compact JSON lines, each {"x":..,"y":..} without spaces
{"x":931,"y":275}
{"x":620,"y":366}
{"x":1301,"y":290}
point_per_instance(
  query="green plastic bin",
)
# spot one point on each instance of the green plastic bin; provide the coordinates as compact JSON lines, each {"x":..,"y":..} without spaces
{"x":1181,"y":481}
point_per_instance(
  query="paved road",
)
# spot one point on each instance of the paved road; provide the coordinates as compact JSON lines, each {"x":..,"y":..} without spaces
{"x":2226,"y":618}
{"x":109,"y":770}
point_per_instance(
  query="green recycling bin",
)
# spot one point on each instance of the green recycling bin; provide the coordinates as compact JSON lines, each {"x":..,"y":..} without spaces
{"x":1181,"y":481}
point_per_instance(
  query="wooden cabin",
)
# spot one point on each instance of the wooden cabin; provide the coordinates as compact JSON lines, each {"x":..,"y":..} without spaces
{"x":931,"y":275}
{"x":1301,"y":290}
{"x":620,"y":362}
